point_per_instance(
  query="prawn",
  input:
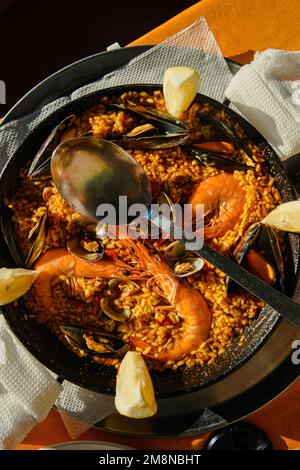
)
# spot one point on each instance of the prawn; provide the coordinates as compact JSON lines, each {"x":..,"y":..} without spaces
{"x":59,"y":261}
{"x":221,"y":192}
{"x":188,"y":302}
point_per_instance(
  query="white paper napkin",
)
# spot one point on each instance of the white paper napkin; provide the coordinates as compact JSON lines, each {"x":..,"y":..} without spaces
{"x":267,"y":93}
{"x":27,"y":390}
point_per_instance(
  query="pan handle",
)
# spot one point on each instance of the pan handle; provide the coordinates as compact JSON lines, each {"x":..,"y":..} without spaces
{"x":274,"y":298}
{"x":292,"y":165}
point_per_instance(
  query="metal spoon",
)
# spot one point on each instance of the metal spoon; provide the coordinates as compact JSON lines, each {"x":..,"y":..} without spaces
{"x":89,"y":171}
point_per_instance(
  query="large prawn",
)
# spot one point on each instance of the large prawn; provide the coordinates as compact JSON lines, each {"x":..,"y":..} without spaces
{"x":57,"y":262}
{"x":221,"y":193}
{"x":188,"y":302}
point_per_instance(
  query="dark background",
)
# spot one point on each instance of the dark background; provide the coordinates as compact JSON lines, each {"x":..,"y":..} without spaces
{"x":39,"y":37}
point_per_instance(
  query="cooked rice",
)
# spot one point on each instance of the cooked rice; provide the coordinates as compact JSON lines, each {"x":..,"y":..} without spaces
{"x":153,"y":319}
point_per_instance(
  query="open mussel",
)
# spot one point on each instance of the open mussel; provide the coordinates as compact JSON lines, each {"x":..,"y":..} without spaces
{"x":94,"y":342}
{"x":224,"y":130}
{"x":159,"y":130}
{"x":218,"y":147}
{"x":259,"y":251}
{"x":66,"y":129}
{"x":217,"y":160}
{"x":37,"y":236}
{"x":153,"y":116}
{"x":155,"y":142}
{"x":142,"y":131}
{"x":9,"y":237}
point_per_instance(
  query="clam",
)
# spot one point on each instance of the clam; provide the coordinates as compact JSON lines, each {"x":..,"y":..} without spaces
{"x":175,"y":250}
{"x":40,"y":165}
{"x":166,"y":131}
{"x":85,"y":245}
{"x":107,"y":303}
{"x":93,"y":342}
{"x":259,"y":251}
{"x":107,"y":307}
{"x":124,"y":286}
{"x":88,"y":250}
{"x":8,"y":234}
{"x":182,"y":262}
{"x":187,"y":266}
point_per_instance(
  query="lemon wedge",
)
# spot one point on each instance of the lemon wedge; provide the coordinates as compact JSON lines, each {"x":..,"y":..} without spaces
{"x":135,"y":396}
{"x":285,"y":217}
{"x":14,"y":283}
{"x":180,"y":86}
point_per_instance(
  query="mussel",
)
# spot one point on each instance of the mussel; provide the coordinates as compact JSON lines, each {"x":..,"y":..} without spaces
{"x":40,"y":165}
{"x":142,"y":131}
{"x":214,"y":159}
{"x":94,"y":342}
{"x":165,"y":131}
{"x":259,"y":251}
{"x":37,"y":235}
{"x":224,"y":130}
{"x":9,"y":237}
{"x":219,"y":147}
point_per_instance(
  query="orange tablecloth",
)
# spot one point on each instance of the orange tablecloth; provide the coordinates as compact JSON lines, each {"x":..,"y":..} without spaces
{"x":280,"y":419}
{"x":240,"y":27}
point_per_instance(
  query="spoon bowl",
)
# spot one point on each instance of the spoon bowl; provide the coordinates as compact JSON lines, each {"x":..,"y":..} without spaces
{"x":92,"y":173}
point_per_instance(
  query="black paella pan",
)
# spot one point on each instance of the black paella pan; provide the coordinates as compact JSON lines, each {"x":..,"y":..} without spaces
{"x":190,"y":401}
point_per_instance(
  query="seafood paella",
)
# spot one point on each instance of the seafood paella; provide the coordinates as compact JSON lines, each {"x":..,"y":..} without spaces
{"x":103,"y":296}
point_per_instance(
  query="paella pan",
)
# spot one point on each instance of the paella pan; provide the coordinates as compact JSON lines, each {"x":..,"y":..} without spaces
{"x":182,"y":184}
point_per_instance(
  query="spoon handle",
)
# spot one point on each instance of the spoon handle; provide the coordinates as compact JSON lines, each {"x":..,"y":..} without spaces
{"x":275,"y":299}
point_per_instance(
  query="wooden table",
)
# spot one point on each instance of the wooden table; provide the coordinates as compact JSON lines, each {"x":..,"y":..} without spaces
{"x":241,"y":28}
